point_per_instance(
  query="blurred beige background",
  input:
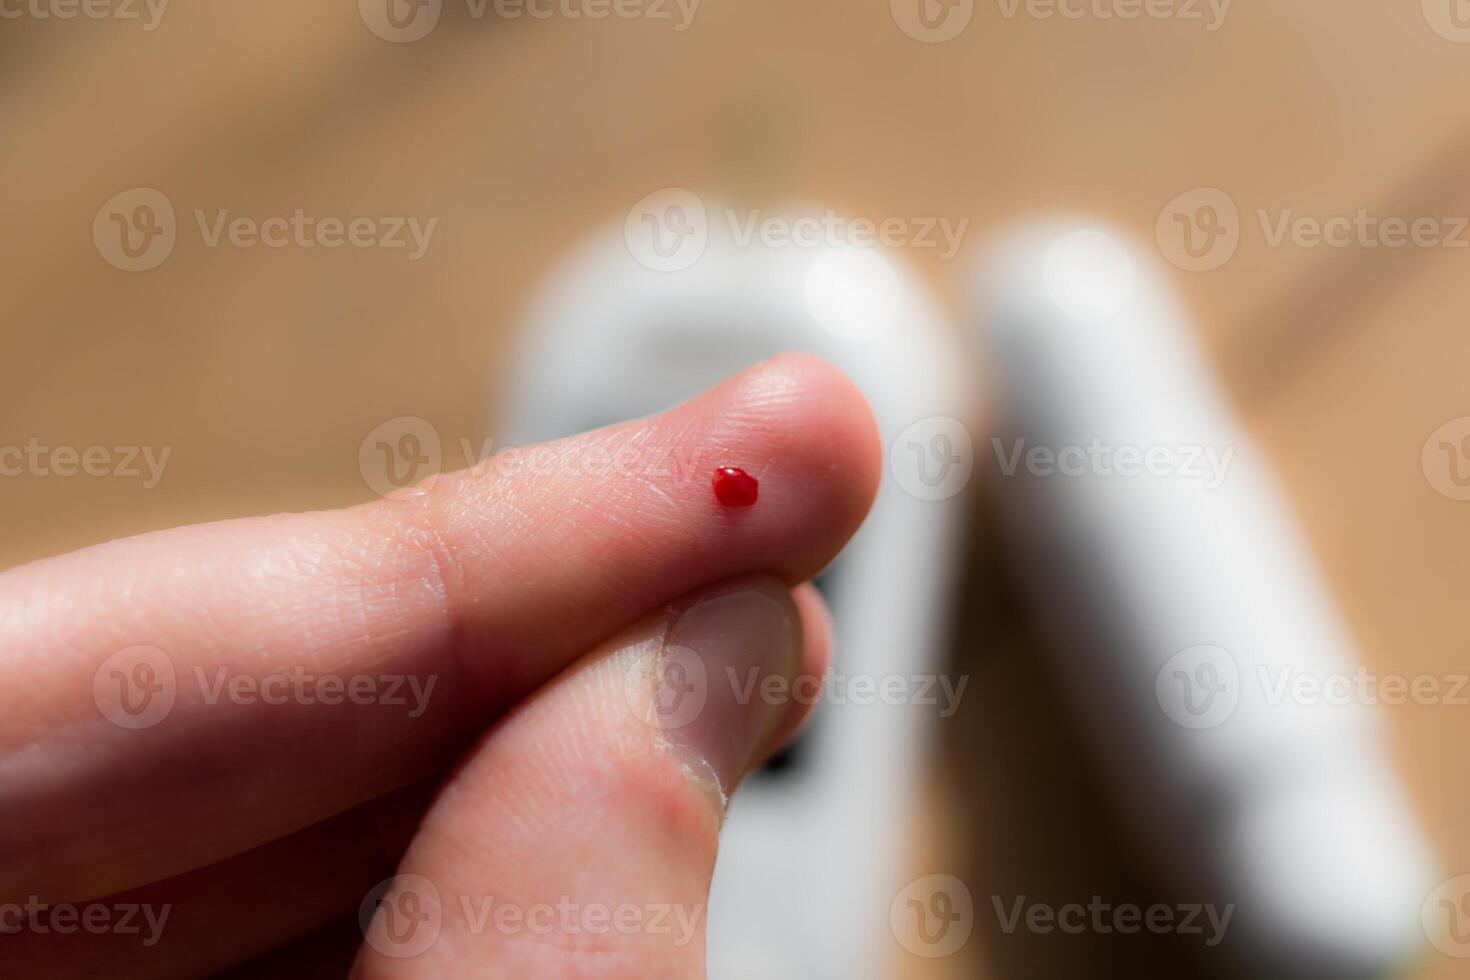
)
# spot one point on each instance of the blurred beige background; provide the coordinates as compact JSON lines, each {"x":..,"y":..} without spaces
{"x":263,"y":369}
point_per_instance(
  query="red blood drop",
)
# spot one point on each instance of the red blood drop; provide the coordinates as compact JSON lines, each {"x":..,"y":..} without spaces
{"x":734,"y":487}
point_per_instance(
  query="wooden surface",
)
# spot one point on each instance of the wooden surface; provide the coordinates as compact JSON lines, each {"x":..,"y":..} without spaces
{"x":263,"y":369}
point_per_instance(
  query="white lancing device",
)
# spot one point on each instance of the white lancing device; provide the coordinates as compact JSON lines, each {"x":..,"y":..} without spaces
{"x":1184,"y":609}
{"x":810,"y":859}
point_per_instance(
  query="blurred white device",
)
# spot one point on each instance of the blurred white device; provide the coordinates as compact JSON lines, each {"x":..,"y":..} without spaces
{"x":1187,"y":610}
{"x":811,"y":853}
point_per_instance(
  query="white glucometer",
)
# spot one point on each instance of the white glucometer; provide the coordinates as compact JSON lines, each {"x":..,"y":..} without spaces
{"x":1184,"y":605}
{"x":637,"y":319}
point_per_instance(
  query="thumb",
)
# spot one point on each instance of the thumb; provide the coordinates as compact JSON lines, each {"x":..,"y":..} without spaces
{"x":578,"y":837}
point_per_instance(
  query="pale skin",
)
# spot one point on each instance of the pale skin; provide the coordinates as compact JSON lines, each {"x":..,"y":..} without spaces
{"x":525,"y":778}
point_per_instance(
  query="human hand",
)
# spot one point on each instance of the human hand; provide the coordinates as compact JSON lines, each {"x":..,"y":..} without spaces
{"x":237,"y":729}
